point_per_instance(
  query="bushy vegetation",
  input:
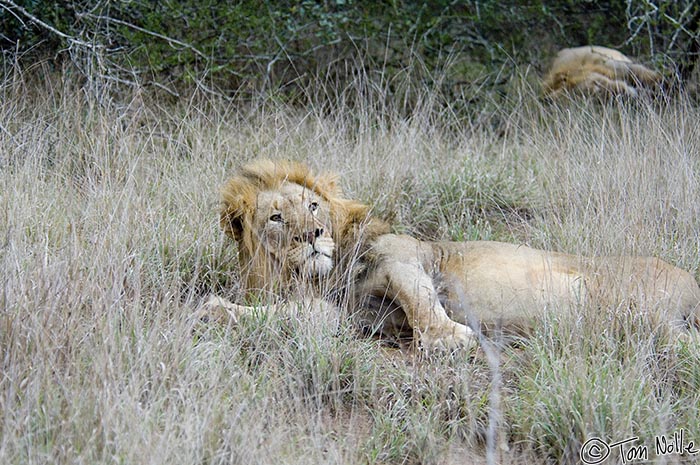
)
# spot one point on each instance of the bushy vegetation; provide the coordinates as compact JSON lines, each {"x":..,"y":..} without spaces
{"x":276,"y":47}
{"x":111,"y":240}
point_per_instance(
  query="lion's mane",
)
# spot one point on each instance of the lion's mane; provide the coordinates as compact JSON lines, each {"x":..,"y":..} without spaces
{"x":353,"y":226}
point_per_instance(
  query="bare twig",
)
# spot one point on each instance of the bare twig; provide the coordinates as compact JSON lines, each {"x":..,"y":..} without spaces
{"x":11,"y":6}
{"x":168,"y":39}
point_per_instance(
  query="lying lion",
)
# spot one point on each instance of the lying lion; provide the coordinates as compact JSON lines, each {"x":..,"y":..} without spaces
{"x":299,"y":238}
{"x":595,"y":70}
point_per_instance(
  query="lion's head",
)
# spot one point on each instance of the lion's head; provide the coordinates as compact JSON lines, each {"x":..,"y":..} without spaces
{"x":289,"y":223}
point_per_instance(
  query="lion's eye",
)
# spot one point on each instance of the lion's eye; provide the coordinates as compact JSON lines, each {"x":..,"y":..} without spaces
{"x":313,"y":207}
{"x":277,"y":218}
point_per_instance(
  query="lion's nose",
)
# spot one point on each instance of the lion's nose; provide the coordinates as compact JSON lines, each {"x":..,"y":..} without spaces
{"x":310,"y":237}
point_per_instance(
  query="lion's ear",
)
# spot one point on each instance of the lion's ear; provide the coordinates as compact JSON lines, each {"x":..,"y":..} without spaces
{"x":233,"y":212}
{"x":355,"y":212}
{"x":232,"y":223}
{"x":328,"y":186}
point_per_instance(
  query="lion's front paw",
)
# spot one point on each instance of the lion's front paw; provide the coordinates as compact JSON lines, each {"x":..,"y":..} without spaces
{"x":215,"y":311}
{"x":450,"y":338}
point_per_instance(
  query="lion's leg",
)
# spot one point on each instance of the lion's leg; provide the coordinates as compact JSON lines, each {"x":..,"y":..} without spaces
{"x":595,"y":82}
{"x":623,"y":70}
{"x":219,"y":311}
{"x":644,"y":75}
{"x":416,"y":293}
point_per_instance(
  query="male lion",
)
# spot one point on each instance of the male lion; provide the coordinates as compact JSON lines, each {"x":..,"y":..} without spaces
{"x":299,"y":237}
{"x":595,"y":70}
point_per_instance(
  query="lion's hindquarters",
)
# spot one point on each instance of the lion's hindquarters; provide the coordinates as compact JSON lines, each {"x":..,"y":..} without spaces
{"x":669,"y":292}
{"x":505,"y":285}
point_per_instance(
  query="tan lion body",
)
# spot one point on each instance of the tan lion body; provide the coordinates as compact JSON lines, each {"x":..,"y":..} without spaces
{"x":596,"y":70}
{"x":300,"y":239}
{"x":509,"y":286}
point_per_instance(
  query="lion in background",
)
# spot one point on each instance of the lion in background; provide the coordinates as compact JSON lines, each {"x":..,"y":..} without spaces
{"x":595,"y":70}
{"x":300,"y":239}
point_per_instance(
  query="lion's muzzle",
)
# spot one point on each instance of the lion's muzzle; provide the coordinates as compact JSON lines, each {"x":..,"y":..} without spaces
{"x":310,"y":236}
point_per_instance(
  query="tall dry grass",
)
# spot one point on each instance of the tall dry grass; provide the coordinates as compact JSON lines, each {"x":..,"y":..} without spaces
{"x":111,"y":239}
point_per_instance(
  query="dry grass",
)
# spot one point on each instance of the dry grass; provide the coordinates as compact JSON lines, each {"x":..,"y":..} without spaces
{"x":110,"y":240}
